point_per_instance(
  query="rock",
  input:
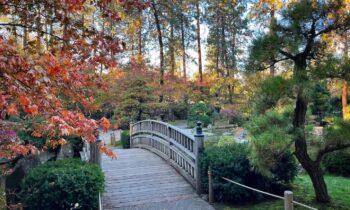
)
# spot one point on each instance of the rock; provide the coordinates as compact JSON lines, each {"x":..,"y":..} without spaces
{"x":12,"y":182}
{"x":22,"y":168}
{"x":317,"y":131}
{"x":65,"y":151}
{"x":205,"y":197}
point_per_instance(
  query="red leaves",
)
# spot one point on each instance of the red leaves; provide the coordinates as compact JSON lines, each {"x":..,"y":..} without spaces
{"x":104,"y":149}
{"x":12,"y":109}
{"x":24,"y":101}
{"x":75,"y":5}
{"x":54,"y":70}
{"x":105,"y":124}
{"x":11,"y":150}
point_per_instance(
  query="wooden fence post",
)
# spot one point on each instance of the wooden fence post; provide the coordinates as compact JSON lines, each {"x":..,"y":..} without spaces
{"x":112,"y":139}
{"x":288,"y":200}
{"x":199,"y":142}
{"x":210,"y":183}
{"x":95,"y":155}
{"x":130,"y":133}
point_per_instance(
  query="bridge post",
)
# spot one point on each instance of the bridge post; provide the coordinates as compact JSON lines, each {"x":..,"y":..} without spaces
{"x":130,"y":134}
{"x":199,"y":146}
{"x":95,"y":155}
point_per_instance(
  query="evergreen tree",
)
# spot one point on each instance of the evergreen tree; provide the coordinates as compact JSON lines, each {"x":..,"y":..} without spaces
{"x":298,"y":39}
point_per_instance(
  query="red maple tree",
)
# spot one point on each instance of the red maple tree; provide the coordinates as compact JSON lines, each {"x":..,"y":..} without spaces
{"x":42,"y":82}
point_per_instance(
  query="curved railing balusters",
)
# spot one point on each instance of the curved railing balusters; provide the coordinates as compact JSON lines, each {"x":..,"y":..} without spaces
{"x":181,"y":150}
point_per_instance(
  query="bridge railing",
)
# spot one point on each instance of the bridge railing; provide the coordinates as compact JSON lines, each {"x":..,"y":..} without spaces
{"x":181,"y":150}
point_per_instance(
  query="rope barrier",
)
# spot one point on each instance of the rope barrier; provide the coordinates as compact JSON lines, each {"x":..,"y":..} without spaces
{"x":266,"y":193}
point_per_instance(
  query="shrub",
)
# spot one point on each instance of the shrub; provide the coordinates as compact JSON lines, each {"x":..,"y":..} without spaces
{"x":62,"y":184}
{"x":198,"y":112}
{"x":269,"y":135}
{"x":266,"y":96}
{"x":180,"y":111}
{"x":125,"y":139}
{"x":232,"y":162}
{"x":337,"y":163}
{"x":231,"y":112}
{"x":226,"y":140}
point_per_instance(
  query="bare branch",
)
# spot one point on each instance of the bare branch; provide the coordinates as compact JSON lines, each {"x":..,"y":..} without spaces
{"x":34,"y":28}
{"x":287,"y":54}
{"x":331,"y":148}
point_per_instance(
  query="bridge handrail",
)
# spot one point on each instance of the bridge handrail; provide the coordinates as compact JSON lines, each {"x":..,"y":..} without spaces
{"x":168,"y":125}
{"x":180,"y":149}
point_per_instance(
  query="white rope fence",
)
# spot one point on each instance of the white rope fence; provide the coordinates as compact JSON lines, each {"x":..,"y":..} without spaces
{"x":288,"y":196}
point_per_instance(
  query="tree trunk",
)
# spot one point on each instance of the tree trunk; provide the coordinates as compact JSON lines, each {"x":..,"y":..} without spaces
{"x":345,"y":82}
{"x":320,"y":187}
{"x":38,"y":28}
{"x":344,"y":97}
{"x":199,"y":42}
{"x":183,"y":47}
{"x":161,"y":53}
{"x":65,"y":28}
{"x":140,"y":37}
{"x":25,"y":32}
{"x":172,"y":53}
{"x":46,"y":35}
{"x":272,"y":60}
{"x":217,"y":42}
{"x":312,"y":167}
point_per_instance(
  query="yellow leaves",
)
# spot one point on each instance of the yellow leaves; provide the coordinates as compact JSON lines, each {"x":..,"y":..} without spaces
{"x":347,"y":113}
{"x":62,"y":141}
{"x":52,"y":143}
{"x":4,"y":19}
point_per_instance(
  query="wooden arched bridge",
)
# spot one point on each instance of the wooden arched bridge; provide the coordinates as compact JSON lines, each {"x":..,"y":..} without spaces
{"x":160,"y":171}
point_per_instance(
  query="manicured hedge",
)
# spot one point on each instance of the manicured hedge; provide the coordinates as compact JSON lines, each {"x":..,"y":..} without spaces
{"x":62,"y":184}
{"x":125,"y":139}
{"x":231,"y":161}
{"x":338,"y":163}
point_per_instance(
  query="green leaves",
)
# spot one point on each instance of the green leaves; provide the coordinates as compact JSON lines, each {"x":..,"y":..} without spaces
{"x":338,"y":133}
{"x":270,"y":140}
{"x":270,"y":92}
{"x":62,"y":184}
{"x":262,"y":53}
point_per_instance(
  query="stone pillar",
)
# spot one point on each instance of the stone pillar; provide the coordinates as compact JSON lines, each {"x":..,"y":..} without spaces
{"x":199,"y":147}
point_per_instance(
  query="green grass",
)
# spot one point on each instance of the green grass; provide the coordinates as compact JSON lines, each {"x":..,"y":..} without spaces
{"x":338,"y":188}
{"x":116,"y":144}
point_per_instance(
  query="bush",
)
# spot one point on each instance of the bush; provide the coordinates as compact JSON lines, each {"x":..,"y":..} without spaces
{"x":180,"y":111}
{"x":337,"y":163}
{"x":198,"y":112}
{"x":63,"y":184}
{"x":226,"y":140}
{"x":269,"y":137}
{"x":125,"y":139}
{"x":232,"y":162}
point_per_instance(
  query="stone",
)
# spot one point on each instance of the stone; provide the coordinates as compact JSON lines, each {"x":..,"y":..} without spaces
{"x":205,"y":197}
{"x":317,"y":131}
{"x":21,"y":169}
{"x":65,"y":151}
{"x":12,"y":182}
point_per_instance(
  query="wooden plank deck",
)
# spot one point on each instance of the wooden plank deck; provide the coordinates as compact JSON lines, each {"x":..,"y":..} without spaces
{"x":140,"y":180}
